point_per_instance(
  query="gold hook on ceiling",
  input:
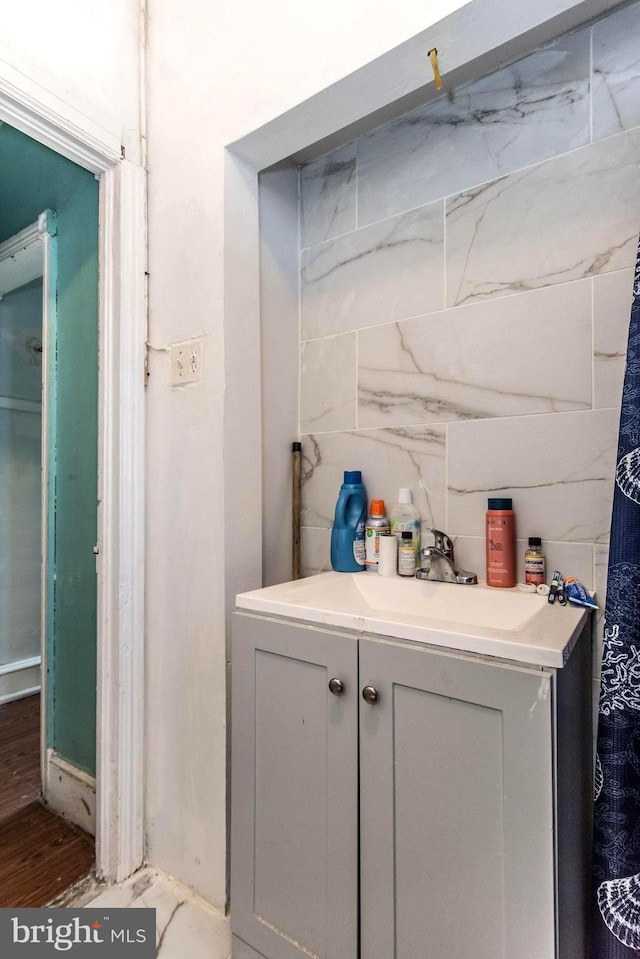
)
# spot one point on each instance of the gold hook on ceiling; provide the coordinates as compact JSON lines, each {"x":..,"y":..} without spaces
{"x":433,"y":56}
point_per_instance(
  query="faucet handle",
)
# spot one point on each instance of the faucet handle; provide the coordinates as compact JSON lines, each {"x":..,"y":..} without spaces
{"x":442,"y":542}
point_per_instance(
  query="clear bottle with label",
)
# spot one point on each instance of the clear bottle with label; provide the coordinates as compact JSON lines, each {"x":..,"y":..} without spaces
{"x":406,"y":554}
{"x":534,"y":562}
{"x":501,"y":542}
{"x":405,"y":518}
{"x":377,"y":525}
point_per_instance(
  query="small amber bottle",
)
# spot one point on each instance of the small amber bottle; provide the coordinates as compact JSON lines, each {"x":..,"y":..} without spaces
{"x":534,"y":562}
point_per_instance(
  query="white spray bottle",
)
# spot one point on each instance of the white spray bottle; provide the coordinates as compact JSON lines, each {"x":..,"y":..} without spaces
{"x":405,"y":518}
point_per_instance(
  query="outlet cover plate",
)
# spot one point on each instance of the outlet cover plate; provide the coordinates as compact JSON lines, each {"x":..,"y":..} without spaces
{"x":187,"y":359}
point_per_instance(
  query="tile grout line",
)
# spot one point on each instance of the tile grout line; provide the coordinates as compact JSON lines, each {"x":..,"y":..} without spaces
{"x":593,"y":345}
{"x":477,"y":186}
{"x":444,"y":253}
{"x":591,"y":85}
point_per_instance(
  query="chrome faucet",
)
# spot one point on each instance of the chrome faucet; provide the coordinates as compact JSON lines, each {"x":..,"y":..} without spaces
{"x":437,"y":563}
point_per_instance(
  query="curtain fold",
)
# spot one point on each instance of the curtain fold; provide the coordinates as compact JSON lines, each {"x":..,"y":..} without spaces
{"x":615,"y":927}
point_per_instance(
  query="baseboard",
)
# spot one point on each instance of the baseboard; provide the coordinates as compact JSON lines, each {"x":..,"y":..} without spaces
{"x":70,"y":792}
{"x":19,"y":679}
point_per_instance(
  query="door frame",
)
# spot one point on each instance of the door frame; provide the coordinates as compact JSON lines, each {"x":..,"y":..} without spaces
{"x":96,"y":146}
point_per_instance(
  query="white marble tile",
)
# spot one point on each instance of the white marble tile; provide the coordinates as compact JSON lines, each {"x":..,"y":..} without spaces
{"x":572,"y":559}
{"x":557,"y":468}
{"x":185,"y":924}
{"x":523,"y":354}
{"x":535,"y":108}
{"x":328,"y":196}
{"x":328,"y":384}
{"x":470,"y":554}
{"x":315,"y":548}
{"x":388,"y":459}
{"x":384,"y":272}
{"x":571,"y":217}
{"x":612,"y":296}
{"x":616,"y":72}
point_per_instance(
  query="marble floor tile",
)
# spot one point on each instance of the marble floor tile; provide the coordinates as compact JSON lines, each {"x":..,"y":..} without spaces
{"x":558,"y":469}
{"x":535,"y":108}
{"x":328,"y":196}
{"x":616,"y":72}
{"x":388,"y":459}
{"x":186,"y":926}
{"x":384,"y":272}
{"x":612,"y":296}
{"x":328,"y":384}
{"x":567,"y":218}
{"x":516,"y":355}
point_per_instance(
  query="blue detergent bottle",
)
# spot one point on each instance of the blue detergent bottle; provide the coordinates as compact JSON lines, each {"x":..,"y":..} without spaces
{"x":347,"y":534}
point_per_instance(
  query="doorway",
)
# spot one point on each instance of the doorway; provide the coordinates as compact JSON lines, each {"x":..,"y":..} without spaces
{"x":48,"y":505}
{"x":41,"y":854}
{"x":94,"y":144}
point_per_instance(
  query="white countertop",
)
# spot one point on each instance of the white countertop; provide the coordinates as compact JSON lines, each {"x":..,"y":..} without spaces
{"x":506,"y":623}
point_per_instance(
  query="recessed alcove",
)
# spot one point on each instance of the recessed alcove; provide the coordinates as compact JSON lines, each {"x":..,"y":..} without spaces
{"x":262,"y":273}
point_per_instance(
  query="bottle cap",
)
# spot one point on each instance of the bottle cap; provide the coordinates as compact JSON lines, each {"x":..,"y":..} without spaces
{"x":404,"y":495}
{"x":500,"y":503}
{"x":535,"y":541}
{"x":351,"y":477}
{"x":407,"y":535}
{"x":377,"y":507}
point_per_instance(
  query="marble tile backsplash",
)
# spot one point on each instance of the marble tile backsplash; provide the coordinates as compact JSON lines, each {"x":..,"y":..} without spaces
{"x":526,"y":112}
{"x":571,"y":217}
{"x":466,"y":363}
{"x":465,"y":286}
{"x":616,"y":72}
{"x":375,"y":274}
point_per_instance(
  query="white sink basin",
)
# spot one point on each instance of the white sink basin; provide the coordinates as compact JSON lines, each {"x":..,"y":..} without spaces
{"x":474,"y":606}
{"x":477,"y":619}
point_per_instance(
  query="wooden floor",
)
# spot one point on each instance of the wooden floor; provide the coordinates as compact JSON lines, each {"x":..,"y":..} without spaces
{"x":40,"y":854}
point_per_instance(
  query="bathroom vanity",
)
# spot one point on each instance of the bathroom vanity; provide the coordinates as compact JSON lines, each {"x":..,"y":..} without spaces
{"x":411,"y":772}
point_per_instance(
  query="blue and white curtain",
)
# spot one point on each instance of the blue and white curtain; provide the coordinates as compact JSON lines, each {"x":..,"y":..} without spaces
{"x":615,"y":931}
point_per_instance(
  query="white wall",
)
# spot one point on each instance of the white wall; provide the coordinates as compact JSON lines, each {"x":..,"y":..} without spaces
{"x":84,"y":52}
{"x":215,"y":72}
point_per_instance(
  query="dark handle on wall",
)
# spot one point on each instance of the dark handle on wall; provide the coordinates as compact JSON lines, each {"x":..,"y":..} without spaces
{"x":336,"y":686}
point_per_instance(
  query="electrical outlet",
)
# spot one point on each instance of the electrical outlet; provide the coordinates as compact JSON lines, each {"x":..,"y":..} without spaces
{"x":187,"y":361}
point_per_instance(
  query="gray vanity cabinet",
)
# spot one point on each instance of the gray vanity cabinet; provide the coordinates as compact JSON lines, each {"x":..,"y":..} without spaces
{"x":447,"y":774}
{"x":456,"y":807}
{"x":294,"y":810}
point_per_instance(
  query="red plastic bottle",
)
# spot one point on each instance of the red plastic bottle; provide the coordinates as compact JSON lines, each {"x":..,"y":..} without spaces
{"x":501,"y":543}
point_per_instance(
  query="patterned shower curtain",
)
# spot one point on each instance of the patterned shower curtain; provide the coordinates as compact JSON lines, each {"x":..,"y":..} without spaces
{"x":615,"y":929}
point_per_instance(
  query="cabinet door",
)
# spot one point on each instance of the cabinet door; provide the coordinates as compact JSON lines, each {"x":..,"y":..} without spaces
{"x":294,"y":810}
{"x":457,"y":845}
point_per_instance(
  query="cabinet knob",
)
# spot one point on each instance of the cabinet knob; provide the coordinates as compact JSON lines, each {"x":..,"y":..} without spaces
{"x":370,"y":694}
{"x":336,"y":686}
